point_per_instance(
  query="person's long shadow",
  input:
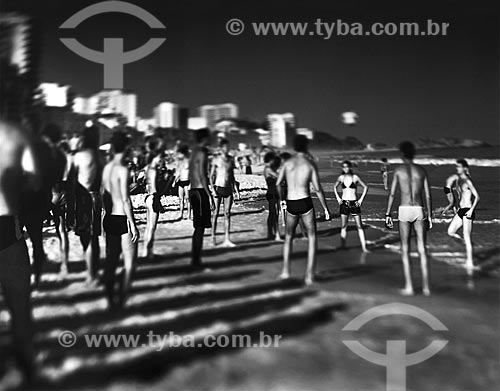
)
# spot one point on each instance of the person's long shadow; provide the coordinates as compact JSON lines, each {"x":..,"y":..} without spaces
{"x":62,"y":298}
{"x":206,"y":234}
{"x":274,"y":320}
{"x":224,"y":309}
{"x":348,"y":272}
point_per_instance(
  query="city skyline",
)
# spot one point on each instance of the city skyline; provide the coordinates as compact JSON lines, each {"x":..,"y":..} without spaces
{"x":399,"y":86}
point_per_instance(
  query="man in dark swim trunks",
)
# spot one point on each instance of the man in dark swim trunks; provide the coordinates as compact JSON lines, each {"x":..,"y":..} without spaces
{"x":88,"y":203}
{"x":200,"y":197}
{"x":119,"y":223}
{"x":223,"y":183}
{"x":17,"y":172}
{"x":300,"y":172}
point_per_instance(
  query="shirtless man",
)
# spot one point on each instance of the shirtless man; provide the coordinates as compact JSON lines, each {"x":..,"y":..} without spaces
{"x":119,"y":223}
{"x":202,"y":202}
{"x":153,"y":199}
{"x":412,"y":181}
{"x":17,"y":172}
{"x":466,"y":206}
{"x":88,"y":203}
{"x":299,"y":172}
{"x":223,"y":185}
{"x":182,"y":179}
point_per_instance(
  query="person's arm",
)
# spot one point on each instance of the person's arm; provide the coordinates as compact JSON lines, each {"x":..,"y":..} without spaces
{"x":203,"y":171}
{"x":337,"y":183}
{"x":212,"y":177}
{"x":124,"y":180}
{"x":390,"y":201}
{"x":428,"y":200}
{"x":32,"y":179}
{"x":319,"y":191}
{"x":365,"y":190}
{"x":448,"y":191}
{"x":279,"y":182}
{"x":476,"y":199}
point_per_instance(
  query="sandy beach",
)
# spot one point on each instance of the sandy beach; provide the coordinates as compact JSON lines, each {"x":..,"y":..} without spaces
{"x":239,"y":293}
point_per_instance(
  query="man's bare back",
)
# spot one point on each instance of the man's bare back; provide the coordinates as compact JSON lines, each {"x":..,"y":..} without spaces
{"x":112,"y":178}
{"x":87,"y":168}
{"x":198,"y":169}
{"x":16,"y":159}
{"x":298,"y":174}
{"x":411,"y":179}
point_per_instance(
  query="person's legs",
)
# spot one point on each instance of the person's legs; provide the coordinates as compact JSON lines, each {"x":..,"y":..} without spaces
{"x":197,"y":245}
{"x":64,"y":241}
{"x":34,"y":226}
{"x":188,"y":201}
{"x":385,"y":178}
{"x":405,"y":232}
{"x":270,"y":219}
{"x":129,"y":261}
{"x":15,"y":271}
{"x":113,"y":250}
{"x":151,"y":223}
{"x":361,"y":232}
{"x":277,"y":208}
{"x":85,"y":240}
{"x":344,"y":220}
{"x":218,"y":200}
{"x":455,"y":225}
{"x":467,"y":224}
{"x":309,"y":220}
{"x":228,"y":202}
{"x":422,"y":252}
{"x":290,"y":226}
{"x":181,"y":202}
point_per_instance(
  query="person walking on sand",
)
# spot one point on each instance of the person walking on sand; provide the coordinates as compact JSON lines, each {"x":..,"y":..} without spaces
{"x":300,"y":172}
{"x":412,"y":181}
{"x":200,"y":197}
{"x":223,"y":185}
{"x":182,"y":179}
{"x":119,"y":223}
{"x":349,"y":202}
{"x":465,"y":214}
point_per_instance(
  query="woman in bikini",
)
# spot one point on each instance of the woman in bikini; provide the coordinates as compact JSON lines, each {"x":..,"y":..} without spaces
{"x":349,"y":203}
{"x":466,"y":209}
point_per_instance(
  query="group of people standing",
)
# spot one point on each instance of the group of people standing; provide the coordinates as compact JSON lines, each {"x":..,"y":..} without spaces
{"x":40,"y":174}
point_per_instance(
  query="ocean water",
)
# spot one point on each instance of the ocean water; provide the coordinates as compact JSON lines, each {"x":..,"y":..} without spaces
{"x":439,"y":163}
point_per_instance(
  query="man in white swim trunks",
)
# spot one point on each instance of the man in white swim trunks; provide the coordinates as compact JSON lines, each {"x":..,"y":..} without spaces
{"x":412,"y":181}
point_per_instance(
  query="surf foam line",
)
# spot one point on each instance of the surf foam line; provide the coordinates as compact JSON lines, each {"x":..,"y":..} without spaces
{"x":436,"y":221}
{"x":431,"y":161}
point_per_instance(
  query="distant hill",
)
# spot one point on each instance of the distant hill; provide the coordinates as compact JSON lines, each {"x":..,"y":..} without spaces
{"x":450,"y":142}
{"x":325,"y":141}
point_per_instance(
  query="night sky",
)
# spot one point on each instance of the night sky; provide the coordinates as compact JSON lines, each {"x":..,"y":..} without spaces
{"x":401,"y":87}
